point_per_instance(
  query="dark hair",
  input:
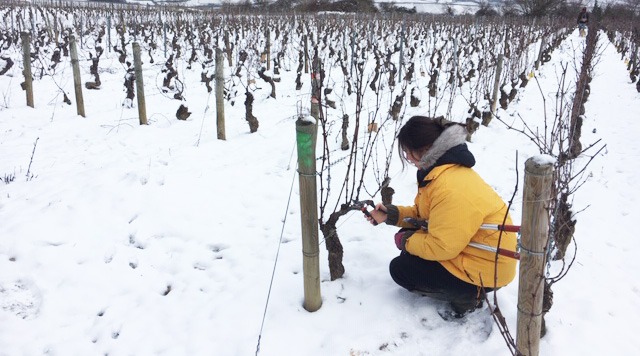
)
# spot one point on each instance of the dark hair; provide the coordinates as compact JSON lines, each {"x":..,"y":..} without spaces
{"x":419,"y":133}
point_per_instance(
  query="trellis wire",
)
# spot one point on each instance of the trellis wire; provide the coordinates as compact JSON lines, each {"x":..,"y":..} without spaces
{"x":275,"y":263}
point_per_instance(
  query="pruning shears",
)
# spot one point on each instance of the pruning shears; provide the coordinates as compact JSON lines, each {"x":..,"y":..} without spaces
{"x":424,"y":225}
{"x":362,"y":206}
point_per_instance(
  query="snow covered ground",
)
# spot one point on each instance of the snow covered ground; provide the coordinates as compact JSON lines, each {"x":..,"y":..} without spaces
{"x":161,"y":240}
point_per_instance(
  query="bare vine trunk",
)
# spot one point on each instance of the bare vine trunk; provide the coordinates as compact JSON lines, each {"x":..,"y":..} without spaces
{"x":334,"y":247}
{"x":269,"y":80}
{"x":252,"y":120}
{"x":582,"y":91}
{"x":345,"y":139}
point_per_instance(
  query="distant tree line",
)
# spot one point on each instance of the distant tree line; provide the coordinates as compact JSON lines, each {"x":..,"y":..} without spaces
{"x":348,"y":6}
{"x":626,"y":10}
{"x":111,"y":1}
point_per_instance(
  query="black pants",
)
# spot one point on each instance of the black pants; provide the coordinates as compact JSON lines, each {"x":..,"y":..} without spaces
{"x":430,"y":278}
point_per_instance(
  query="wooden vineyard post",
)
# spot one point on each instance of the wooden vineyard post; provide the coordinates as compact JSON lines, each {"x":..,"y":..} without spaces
{"x":162,"y":25}
{"x":77,"y":81}
{"x":353,"y":50}
{"x":496,"y":88}
{"x":533,"y":253}
{"x":109,"y":33}
{"x":28,"y":79}
{"x":267,"y":35}
{"x":455,"y":63}
{"x":316,"y":84}
{"x":306,"y":54}
{"x":227,"y":48}
{"x":135,"y":28}
{"x":142,"y":108}
{"x":401,"y":57}
{"x":220,"y":95}
{"x":33,"y":23}
{"x":47,"y":24}
{"x":539,"y":60}
{"x":164,"y":31}
{"x":454,"y":75}
{"x":81,"y":32}
{"x":306,"y":133}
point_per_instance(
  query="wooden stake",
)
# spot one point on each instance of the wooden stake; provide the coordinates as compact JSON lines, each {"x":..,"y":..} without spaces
{"x":47,"y":24}
{"x":33,"y":23}
{"x":268,"y":49}
{"x":81,"y":32}
{"x":539,"y":60}
{"x":220,"y":95}
{"x":496,"y":89}
{"x":77,"y":82}
{"x":306,"y":54}
{"x":533,"y":253}
{"x":164,"y":30}
{"x":401,"y":57}
{"x":28,"y":80}
{"x":227,"y":46}
{"x":316,"y":84}
{"x":306,"y":133}
{"x":353,"y":51}
{"x":109,"y":33}
{"x":142,"y":108}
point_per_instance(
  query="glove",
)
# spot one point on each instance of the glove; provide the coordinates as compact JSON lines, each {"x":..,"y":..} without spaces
{"x":401,"y":238}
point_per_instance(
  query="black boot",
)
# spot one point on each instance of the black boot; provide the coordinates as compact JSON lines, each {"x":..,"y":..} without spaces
{"x":460,"y":305}
{"x":464,"y":307}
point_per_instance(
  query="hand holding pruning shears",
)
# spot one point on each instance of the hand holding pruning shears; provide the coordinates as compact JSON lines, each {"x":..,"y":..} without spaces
{"x":378,"y":215}
{"x":375,"y":216}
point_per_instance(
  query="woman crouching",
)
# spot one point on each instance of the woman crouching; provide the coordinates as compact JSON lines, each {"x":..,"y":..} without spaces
{"x":437,"y":260}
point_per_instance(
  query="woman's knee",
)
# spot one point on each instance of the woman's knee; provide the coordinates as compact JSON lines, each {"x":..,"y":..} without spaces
{"x":397,"y":270}
{"x":394,"y":267}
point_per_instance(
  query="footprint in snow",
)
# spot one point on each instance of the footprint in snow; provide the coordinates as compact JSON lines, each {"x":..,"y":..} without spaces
{"x":218,"y":248}
{"x":20,"y":299}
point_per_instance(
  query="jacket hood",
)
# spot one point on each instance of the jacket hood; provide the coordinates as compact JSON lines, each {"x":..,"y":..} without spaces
{"x":449,"y":147}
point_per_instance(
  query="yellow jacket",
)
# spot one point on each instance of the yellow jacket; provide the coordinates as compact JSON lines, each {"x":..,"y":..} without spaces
{"x":456,"y":202}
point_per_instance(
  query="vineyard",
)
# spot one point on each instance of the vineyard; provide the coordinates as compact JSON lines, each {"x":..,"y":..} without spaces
{"x":372,"y":71}
{"x":223,"y":90}
{"x":424,"y":61}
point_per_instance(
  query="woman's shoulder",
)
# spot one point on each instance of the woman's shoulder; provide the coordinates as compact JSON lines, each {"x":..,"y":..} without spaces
{"x":453,"y":171}
{"x":455,"y":176}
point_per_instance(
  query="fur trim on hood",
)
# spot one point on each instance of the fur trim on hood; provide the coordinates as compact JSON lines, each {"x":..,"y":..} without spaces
{"x":452,"y":136}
